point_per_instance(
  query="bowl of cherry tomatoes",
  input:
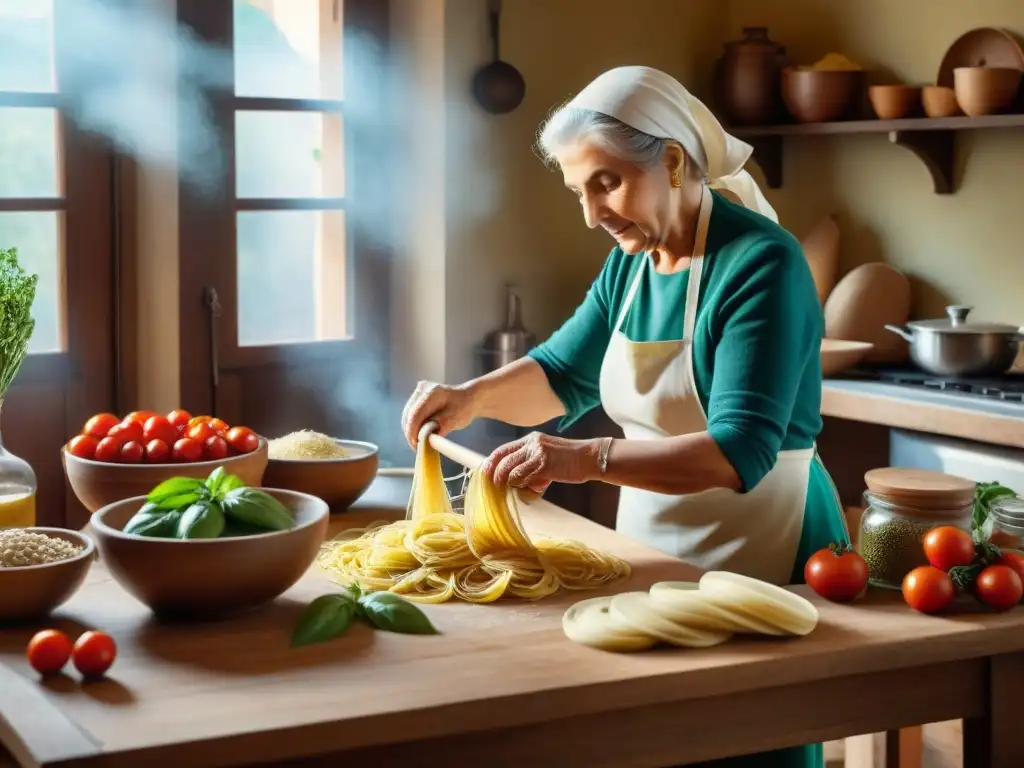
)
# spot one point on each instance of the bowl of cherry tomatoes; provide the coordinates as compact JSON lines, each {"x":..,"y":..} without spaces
{"x":116,"y":458}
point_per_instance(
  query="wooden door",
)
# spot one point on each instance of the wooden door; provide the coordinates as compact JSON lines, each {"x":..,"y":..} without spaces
{"x":284,"y":314}
{"x":56,"y":209}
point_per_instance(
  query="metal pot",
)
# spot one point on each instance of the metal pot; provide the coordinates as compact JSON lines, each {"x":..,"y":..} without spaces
{"x":954,"y":347}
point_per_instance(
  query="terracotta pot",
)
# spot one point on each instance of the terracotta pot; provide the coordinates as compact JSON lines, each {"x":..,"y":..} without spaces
{"x":985,"y":90}
{"x":821,"y":95}
{"x":747,"y":79}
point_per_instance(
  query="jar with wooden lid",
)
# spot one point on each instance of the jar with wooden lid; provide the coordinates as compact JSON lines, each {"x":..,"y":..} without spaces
{"x":1005,"y":524}
{"x":902,"y":506}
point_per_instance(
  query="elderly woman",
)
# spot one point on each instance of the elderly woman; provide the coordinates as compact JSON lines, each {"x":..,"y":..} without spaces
{"x":700,"y":338}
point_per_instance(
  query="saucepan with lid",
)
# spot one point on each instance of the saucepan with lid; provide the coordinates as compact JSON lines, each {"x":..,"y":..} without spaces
{"x":952,"y":346}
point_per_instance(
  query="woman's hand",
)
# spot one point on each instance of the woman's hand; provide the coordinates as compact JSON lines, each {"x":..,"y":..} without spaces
{"x":538,"y":460}
{"x":451,"y":407}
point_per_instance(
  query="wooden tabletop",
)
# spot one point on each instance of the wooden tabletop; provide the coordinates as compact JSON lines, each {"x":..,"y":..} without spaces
{"x":234,"y":692}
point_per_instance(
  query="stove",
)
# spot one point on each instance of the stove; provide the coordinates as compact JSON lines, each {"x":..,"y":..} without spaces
{"x":1009,"y":387}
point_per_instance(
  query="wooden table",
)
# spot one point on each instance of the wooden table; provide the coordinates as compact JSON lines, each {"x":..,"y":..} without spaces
{"x":502,"y":686}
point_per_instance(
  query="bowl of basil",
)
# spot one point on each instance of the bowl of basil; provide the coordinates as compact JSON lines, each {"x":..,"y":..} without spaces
{"x":209,"y":549}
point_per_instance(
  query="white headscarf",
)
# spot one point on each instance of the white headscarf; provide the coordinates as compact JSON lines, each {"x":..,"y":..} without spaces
{"x":657,"y":104}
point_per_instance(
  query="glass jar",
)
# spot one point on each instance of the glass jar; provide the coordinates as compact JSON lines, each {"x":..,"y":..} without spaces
{"x":902,"y":506}
{"x":1006,"y":522}
{"x":17,"y":491}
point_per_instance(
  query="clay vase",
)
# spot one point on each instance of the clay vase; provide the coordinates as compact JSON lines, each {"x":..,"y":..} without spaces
{"x":748,"y":77}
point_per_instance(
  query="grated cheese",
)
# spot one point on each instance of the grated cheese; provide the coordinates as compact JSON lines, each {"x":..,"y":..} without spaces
{"x":305,"y":444}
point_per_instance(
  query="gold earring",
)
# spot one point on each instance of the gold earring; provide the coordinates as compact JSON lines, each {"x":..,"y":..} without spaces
{"x":675,"y":180}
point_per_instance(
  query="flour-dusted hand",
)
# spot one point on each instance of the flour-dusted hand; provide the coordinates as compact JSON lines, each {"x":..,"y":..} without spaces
{"x":537,"y":460}
{"x":451,"y":407}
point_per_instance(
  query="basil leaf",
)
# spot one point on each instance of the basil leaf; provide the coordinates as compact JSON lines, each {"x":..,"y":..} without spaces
{"x":174,"y":486}
{"x":202,"y":520}
{"x":231,"y":483}
{"x":152,"y":521}
{"x":253,"y":506}
{"x":325,"y":618}
{"x":388,"y":611}
{"x":215,"y":480}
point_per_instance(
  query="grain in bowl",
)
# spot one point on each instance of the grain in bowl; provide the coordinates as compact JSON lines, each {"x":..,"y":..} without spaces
{"x":20,"y":548}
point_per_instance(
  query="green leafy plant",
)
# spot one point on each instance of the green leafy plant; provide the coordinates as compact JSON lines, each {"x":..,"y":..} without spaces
{"x":221,"y":505}
{"x":17,"y":294}
{"x":985,"y":495}
{"x":329,"y":616}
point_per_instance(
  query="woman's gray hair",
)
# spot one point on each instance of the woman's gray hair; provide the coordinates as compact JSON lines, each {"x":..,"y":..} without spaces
{"x":571,"y":124}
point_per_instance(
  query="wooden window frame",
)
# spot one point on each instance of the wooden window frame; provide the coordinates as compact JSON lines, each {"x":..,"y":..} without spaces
{"x":207,"y":227}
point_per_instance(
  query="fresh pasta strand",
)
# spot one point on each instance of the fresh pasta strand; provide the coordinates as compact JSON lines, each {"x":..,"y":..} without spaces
{"x":485,"y":554}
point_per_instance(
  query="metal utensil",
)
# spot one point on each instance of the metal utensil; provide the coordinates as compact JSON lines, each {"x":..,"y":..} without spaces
{"x":510,"y":342}
{"x":955,"y":347}
{"x":498,"y":87}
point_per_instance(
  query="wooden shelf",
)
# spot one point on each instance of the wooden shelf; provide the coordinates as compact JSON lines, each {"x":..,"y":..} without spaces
{"x":933,"y":140}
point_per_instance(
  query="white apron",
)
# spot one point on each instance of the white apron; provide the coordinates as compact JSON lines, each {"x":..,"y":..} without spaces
{"x":648,"y":389}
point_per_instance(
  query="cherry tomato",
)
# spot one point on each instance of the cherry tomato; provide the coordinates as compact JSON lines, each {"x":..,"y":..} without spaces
{"x":108,"y":449}
{"x":100,"y":424}
{"x":836,"y":573}
{"x":243,"y":439}
{"x":928,"y":590}
{"x":199,"y":420}
{"x":48,"y":651}
{"x":157,"y":452}
{"x":1014,"y":560}
{"x":186,"y":449}
{"x":200,"y":432}
{"x":947,"y":547}
{"x":179,"y":419}
{"x":131,"y":452}
{"x":83,"y":446}
{"x":138,"y":417}
{"x":159,"y":428}
{"x":219,"y":426}
{"x":999,"y":587}
{"x":93,"y":653}
{"x":127,"y":432}
{"x":215,"y":447}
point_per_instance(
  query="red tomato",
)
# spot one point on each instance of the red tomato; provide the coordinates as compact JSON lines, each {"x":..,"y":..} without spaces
{"x":93,"y":653}
{"x":127,"y":431}
{"x":1014,"y":560}
{"x":83,"y":446}
{"x":215,"y":447}
{"x":999,"y":587}
{"x":179,"y":419}
{"x":928,"y":590}
{"x":100,"y":424}
{"x":159,"y":428}
{"x":243,"y":439}
{"x":138,"y":417}
{"x":219,"y":426}
{"x":108,"y":449}
{"x":200,"y":432}
{"x":836,"y":573}
{"x":131,"y":452}
{"x":186,"y":449}
{"x":157,"y":452}
{"x":947,"y":547}
{"x":48,"y":651}
{"x":199,"y":420}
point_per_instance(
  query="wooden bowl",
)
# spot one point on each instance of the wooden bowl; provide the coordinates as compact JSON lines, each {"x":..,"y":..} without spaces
{"x":339,"y":482}
{"x":210,"y":578}
{"x":99,"y":483}
{"x":838,"y":355}
{"x":821,"y":95}
{"x":985,"y":90}
{"x":939,"y":101}
{"x":34,"y":591}
{"x":894,"y":102}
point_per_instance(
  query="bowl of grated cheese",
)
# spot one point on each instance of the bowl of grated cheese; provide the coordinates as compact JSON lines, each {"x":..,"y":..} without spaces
{"x":337,"y":471}
{"x":40,"y":568}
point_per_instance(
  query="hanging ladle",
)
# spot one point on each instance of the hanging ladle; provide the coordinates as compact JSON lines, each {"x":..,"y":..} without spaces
{"x":498,"y":87}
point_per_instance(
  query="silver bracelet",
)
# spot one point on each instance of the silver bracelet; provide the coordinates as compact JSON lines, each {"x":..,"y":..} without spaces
{"x":602,"y":454}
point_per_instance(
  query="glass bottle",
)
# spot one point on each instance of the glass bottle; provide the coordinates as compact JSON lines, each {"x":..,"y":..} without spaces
{"x":1006,"y":521}
{"x":17,"y":489}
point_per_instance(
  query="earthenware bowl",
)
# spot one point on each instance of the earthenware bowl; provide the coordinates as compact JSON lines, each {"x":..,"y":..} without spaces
{"x":34,"y":591}
{"x":339,"y":482}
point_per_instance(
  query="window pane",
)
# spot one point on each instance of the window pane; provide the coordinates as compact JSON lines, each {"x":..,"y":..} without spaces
{"x":38,"y":236}
{"x":28,"y":152}
{"x":291,"y":277}
{"x":289,"y":49}
{"x":289,"y":154}
{"x":26,"y":46}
